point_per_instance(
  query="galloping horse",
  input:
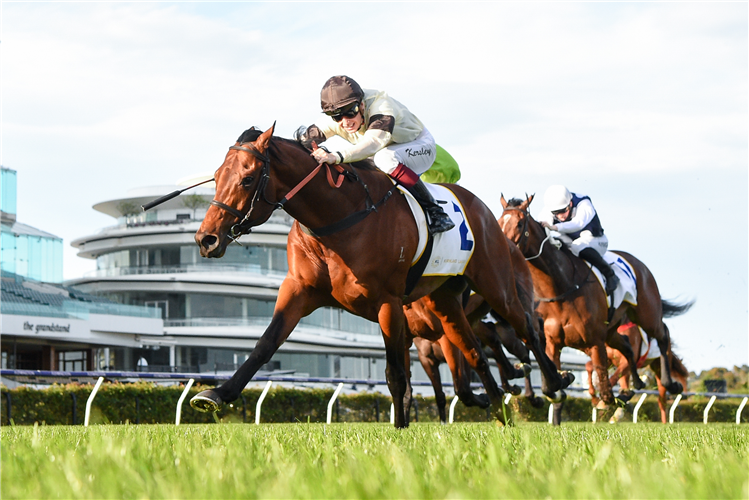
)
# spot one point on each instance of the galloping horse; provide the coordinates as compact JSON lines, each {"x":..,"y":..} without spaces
{"x":573,"y":306}
{"x":622,"y":372}
{"x":346,"y":250}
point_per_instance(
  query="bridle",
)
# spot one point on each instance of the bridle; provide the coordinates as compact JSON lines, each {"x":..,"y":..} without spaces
{"x":245,"y":224}
{"x":525,"y":233}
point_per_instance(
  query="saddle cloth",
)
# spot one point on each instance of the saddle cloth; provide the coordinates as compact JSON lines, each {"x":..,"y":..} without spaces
{"x":648,"y":347}
{"x":627,"y":289}
{"x":452,"y":249}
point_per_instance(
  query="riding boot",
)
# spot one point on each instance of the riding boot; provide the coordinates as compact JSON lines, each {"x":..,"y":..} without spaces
{"x":438,"y":220}
{"x":612,"y":281}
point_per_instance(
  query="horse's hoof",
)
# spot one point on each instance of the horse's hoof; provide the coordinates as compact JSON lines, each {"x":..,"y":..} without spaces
{"x":567,"y":378}
{"x":536,"y":402}
{"x":675,"y":388}
{"x":638,"y":383}
{"x":602,"y":405}
{"x":557,"y":397}
{"x":625,"y":396}
{"x":206,"y":401}
{"x":617,"y":416}
{"x":515,"y":390}
{"x":525,"y":368}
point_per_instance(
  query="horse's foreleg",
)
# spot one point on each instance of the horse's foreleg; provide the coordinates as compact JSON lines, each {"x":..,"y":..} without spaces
{"x":293,"y":303}
{"x":458,"y":331}
{"x":489,"y":336}
{"x":393,"y":325}
{"x":461,"y":373}
{"x":407,"y":398}
{"x":591,"y":386}
{"x":600,"y":364}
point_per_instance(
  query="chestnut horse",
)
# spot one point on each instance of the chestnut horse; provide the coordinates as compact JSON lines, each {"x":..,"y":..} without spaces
{"x":622,"y":371}
{"x":347,"y":250}
{"x":573,"y":306}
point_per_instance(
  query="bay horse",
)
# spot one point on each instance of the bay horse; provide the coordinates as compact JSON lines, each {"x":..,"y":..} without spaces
{"x":349,"y":251}
{"x":622,"y":370}
{"x":572,"y":302}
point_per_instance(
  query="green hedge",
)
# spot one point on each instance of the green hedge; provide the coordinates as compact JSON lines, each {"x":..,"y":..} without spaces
{"x":148,"y":403}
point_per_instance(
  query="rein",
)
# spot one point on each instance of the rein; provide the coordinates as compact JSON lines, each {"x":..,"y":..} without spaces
{"x":526,"y":234}
{"x":245,"y":224}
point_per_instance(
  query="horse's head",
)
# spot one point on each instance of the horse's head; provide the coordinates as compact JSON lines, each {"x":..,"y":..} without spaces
{"x":240,"y":202}
{"x":518,"y":225}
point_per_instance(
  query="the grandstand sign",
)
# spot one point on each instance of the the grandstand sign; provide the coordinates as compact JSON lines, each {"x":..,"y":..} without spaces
{"x":53,"y":327}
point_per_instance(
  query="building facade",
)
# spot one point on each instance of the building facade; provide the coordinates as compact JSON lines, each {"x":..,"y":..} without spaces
{"x":26,"y":251}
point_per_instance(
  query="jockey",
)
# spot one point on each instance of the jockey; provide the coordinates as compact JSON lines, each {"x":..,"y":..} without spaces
{"x":377,"y":125}
{"x":576,"y":219}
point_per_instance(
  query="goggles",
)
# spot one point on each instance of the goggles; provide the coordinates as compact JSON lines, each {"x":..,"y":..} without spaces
{"x":348,"y":112}
{"x":561,"y":210}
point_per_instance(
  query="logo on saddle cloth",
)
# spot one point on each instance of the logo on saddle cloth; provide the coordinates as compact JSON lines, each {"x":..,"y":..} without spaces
{"x":452,"y":249}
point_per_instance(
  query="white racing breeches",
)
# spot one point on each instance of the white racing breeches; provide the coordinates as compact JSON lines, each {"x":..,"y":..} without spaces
{"x":586,"y":240}
{"x":418,"y":155}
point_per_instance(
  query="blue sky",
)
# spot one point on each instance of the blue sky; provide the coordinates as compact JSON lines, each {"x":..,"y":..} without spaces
{"x":642,"y":106}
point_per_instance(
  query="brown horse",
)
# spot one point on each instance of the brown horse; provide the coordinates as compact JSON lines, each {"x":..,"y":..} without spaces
{"x":622,"y":371}
{"x":349,"y":251}
{"x":573,"y":306}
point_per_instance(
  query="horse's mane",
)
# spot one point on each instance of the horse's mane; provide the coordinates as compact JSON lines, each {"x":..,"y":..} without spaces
{"x":514,"y":202}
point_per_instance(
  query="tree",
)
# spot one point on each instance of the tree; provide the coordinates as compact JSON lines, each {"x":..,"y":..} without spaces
{"x":194,"y":201}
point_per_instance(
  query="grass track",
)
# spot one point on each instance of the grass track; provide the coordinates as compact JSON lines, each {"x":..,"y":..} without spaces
{"x":376,"y":461}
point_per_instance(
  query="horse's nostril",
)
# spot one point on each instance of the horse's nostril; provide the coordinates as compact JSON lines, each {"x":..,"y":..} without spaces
{"x":208,"y":241}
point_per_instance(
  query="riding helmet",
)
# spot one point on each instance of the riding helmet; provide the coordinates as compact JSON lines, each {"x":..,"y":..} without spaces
{"x":339,"y":91}
{"x":556,"y":198}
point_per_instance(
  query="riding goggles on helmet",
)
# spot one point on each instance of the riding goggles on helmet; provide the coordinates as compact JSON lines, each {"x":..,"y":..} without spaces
{"x":561,"y":210}
{"x":349,"y":112}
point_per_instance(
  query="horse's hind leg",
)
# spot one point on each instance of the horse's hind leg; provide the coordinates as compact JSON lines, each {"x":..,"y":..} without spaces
{"x":461,"y":375}
{"x":430,"y":363}
{"x":450,"y":312}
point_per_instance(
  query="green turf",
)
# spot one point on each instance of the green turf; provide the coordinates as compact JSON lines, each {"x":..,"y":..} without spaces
{"x":376,"y":461}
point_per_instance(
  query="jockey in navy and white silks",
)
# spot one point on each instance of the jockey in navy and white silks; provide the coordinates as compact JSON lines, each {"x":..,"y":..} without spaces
{"x":377,"y":126}
{"x":575,"y":218}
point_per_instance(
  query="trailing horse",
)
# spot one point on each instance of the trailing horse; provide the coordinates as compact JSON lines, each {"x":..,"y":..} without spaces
{"x":573,"y":306}
{"x":622,"y":370}
{"x":352,"y":247}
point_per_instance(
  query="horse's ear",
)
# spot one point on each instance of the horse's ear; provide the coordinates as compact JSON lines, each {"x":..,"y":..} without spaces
{"x":264,"y":140}
{"x":502,"y":200}
{"x":529,"y":198}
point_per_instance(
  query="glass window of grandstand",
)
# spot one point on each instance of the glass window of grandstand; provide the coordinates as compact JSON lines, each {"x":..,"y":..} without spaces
{"x":252,"y":259}
{"x":72,"y":361}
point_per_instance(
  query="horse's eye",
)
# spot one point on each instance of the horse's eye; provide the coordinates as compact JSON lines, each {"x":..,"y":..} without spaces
{"x":247,"y":181}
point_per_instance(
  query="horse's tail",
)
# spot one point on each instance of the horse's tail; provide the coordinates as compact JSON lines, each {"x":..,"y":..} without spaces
{"x":671,"y":309}
{"x":677,"y":366}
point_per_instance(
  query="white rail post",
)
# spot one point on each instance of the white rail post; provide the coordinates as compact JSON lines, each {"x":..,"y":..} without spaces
{"x":594,"y":416}
{"x":260,"y":401}
{"x":178,"y":415}
{"x":508,"y":397}
{"x":451,"y":418}
{"x":332,"y":400}
{"x":738,"y":412}
{"x":392,"y":413}
{"x":707,"y":409}
{"x":637,"y":407}
{"x":91,"y":400}
{"x":673,"y":409}
{"x":551,"y":413}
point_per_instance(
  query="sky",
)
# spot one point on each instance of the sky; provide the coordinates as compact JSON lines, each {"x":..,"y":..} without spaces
{"x":641,"y":106}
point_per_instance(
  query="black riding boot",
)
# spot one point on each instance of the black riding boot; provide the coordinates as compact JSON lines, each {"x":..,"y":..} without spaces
{"x":437,"y":219}
{"x":612,"y":281}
